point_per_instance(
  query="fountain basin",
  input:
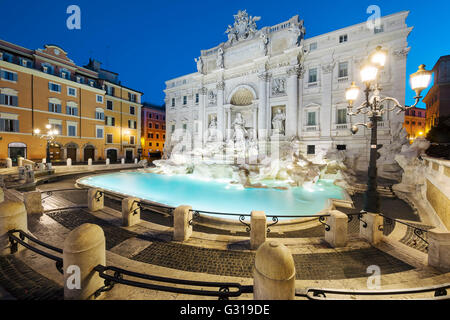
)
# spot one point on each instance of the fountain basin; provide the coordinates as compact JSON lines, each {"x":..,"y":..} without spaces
{"x":219,"y":195}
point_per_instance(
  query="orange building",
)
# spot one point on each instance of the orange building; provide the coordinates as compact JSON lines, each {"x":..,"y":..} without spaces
{"x":153,"y":131}
{"x":415,"y":123}
{"x":438,"y":97}
{"x":94,"y":115}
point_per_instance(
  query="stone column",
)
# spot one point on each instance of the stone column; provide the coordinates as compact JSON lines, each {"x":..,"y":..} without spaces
{"x":300,"y":101}
{"x":371,"y":232}
{"x":273,"y":273}
{"x":131,"y":213}
{"x":258,"y":231}
{"x":13,"y":216}
{"x":95,"y":199}
{"x":263,"y":78}
{"x":439,"y":249}
{"x":291,"y":110}
{"x":33,"y":202}
{"x":228,"y":123}
{"x":337,"y":236}
{"x":220,"y":111}
{"x":84,"y":249}
{"x":182,"y":229}
{"x":89,"y":162}
{"x":325,"y":108}
{"x":107,"y":161}
{"x":255,"y":120}
{"x":201,"y":113}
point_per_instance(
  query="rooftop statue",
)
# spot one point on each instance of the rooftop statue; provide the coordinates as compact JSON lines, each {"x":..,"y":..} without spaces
{"x":244,"y":26}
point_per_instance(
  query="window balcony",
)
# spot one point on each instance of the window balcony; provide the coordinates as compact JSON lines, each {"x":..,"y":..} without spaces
{"x":311,"y":128}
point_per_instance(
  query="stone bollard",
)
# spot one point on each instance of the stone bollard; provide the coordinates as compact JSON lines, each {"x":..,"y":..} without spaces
{"x":439,"y":249}
{"x":44,"y":160}
{"x":182,"y":229}
{"x":89,"y":162}
{"x":338,"y":222}
{"x":372,"y":232}
{"x":107,"y":161}
{"x":258,"y":231}
{"x":69,"y":162}
{"x":84,"y":249}
{"x":13,"y":215}
{"x":273,"y":273}
{"x":20,"y":161}
{"x":48,"y":166}
{"x":41,"y":166}
{"x":33,"y":202}
{"x":96,"y":199}
{"x":8,"y":162}
{"x":122,"y":161}
{"x":131,"y":213}
{"x":2,"y":194}
{"x":135,"y":161}
{"x":29,"y":176}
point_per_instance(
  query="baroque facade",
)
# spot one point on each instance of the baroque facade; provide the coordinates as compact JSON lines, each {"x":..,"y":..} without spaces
{"x":274,"y":85}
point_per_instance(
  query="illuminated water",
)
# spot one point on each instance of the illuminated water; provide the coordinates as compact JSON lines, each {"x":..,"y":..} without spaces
{"x":218,"y":196}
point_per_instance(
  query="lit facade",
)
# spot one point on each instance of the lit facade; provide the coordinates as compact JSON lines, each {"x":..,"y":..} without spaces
{"x":94,"y":115}
{"x":415,"y":123}
{"x":438,"y":97}
{"x":153,"y":131}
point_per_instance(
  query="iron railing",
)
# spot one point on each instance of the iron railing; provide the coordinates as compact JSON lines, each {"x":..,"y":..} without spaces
{"x":439,"y":291}
{"x":14,"y":241}
{"x":242,"y":217}
{"x":225,"y":290}
{"x":418,"y":232}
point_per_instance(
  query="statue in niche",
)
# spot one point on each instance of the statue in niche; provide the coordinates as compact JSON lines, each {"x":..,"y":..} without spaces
{"x":199,"y":62}
{"x":212,"y":97}
{"x":219,"y":61}
{"x":239,"y":129}
{"x":212,"y":134}
{"x":278,"y":122}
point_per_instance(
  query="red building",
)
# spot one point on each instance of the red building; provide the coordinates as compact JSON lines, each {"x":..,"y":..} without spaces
{"x":153,"y":131}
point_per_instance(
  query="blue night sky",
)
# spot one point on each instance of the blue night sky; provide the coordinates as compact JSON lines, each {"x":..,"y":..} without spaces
{"x":149,"y":42}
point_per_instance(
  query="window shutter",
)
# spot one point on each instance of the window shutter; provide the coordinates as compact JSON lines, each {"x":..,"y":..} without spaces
{"x":113,"y":121}
{"x":49,"y":107}
{"x":129,"y":124}
{"x":15,"y":126}
{"x":75,"y":111}
{"x":2,"y":124}
{"x":15,"y":101}
{"x":2,"y":99}
{"x":58,"y":108}
{"x":49,"y":86}
{"x":15,"y":76}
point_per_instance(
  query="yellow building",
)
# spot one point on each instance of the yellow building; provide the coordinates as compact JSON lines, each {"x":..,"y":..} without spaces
{"x":153,"y":131}
{"x":94,"y":116}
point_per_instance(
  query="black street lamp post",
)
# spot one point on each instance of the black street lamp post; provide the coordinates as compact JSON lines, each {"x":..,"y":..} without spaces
{"x":374,"y":107}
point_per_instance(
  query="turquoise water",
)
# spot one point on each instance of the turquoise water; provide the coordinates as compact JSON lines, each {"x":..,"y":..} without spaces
{"x":218,"y":196}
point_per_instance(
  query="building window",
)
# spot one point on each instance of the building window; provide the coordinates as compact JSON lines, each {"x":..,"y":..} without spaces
{"x":132,"y":124}
{"x":8,"y":125}
{"x":99,"y":115}
{"x":407,"y":122}
{"x":53,"y":87}
{"x":197,"y":98}
{"x":47,"y":69}
{"x":26,"y":63}
{"x":132,"y":97}
{"x":71,"y":92}
{"x":311,"y":149}
{"x":150,"y":125}
{"x":53,"y":107}
{"x":9,"y":76}
{"x":157,"y":136}
{"x":313,"y":46}
{"x":109,"y":138}
{"x":341,"y":116}
{"x":150,"y":144}
{"x":99,"y":98}
{"x":342,"y":147}
{"x":184,"y":100}
{"x":184,"y":126}
{"x":343,"y":38}
{"x":149,"y":115}
{"x":8,"y":100}
{"x":312,"y":75}
{"x":71,"y":110}
{"x":109,"y":105}
{"x":172,"y":128}
{"x":71,"y":130}
{"x":65,"y":74}
{"x":164,"y":136}
{"x":110,"y":121}
{"x":91,"y":83}
{"x":132,"y":110}
{"x":173,"y":102}
{"x":57,"y":127}
{"x":311,"y":119}
{"x":378,"y":29}
{"x":156,"y":126}
{"x":157,"y":144}
{"x":156,"y":117}
{"x":7,"y":57}
{"x":99,"y":132}
{"x":164,"y":127}
{"x":109,"y":90}
{"x":343,"y":69}
{"x":80,"y":79}
{"x":151,"y":135}
{"x":131,"y":139}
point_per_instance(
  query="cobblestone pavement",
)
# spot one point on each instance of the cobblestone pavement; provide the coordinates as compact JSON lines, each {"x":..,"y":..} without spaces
{"x":23,"y":283}
{"x":334,"y":265}
{"x":314,"y":266}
